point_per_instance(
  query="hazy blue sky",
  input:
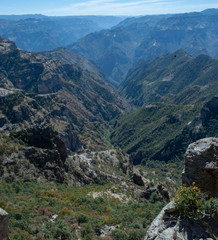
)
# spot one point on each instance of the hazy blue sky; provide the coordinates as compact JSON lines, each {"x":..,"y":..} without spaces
{"x":103,"y":7}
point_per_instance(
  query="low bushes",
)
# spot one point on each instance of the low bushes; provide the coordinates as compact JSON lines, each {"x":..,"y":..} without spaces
{"x":192,"y":204}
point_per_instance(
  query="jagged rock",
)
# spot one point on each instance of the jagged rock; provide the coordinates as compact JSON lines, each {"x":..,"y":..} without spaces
{"x":168,"y":226}
{"x":163,"y":192}
{"x":4,"y":220}
{"x":201,"y":165}
{"x":4,"y":92}
{"x":147,"y":193}
{"x":137,"y":179}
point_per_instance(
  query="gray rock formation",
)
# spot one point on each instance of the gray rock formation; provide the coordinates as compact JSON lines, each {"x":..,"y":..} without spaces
{"x":93,"y":167}
{"x":3,"y":225}
{"x":201,"y":165}
{"x":168,"y":226}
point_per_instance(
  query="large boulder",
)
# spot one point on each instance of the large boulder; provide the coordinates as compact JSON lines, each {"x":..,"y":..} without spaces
{"x":201,"y":165}
{"x":3,"y":225}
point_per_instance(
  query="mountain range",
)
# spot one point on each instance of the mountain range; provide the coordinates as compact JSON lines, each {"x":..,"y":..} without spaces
{"x":116,"y":50}
{"x":39,"y":32}
{"x":63,"y":125}
{"x":176,"y":97}
{"x":176,"y":78}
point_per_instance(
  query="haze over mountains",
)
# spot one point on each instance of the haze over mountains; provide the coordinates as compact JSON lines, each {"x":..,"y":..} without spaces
{"x":118,"y":49}
{"x":38,"y":32}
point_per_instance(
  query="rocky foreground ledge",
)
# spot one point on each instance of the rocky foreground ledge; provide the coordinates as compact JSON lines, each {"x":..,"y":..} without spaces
{"x":168,"y":226}
{"x":201,"y":167}
{"x":4,"y":220}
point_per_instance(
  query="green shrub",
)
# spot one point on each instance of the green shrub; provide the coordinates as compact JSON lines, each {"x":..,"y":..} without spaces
{"x":136,"y":235}
{"x":210,"y":207}
{"x":154,"y":197}
{"x":118,"y":234}
{"x":57,"y":230}
{"x":87,"y":231}
{"x":62,"y":230}
{"x":191,"y":203}
{"x":82,"y":218}
{"x":20,"y":235}
{"x":188,"y":202}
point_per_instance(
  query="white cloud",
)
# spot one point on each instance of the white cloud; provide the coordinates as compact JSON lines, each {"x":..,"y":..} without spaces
{"x":115,"y":7}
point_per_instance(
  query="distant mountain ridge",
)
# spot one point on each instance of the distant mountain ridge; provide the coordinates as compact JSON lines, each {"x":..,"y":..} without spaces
{"x":175,"y":78}
{"x":37,"y":32}
{"x":147,"y":37}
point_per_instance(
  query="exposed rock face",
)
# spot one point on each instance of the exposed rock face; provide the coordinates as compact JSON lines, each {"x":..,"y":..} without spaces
{"x":3,"y":225}
{"x":201,"y":165}
{"x":167,"y":226}
{"x":93,"y":167}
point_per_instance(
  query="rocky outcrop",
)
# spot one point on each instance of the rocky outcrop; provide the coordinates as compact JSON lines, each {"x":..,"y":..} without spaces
{"x":201,"y":165}
{"x":137,"y":179}
{"x":161,"y":193}
{"x":168,"y":226}
{"x":95,"y":167}
{"x":4,"y":220}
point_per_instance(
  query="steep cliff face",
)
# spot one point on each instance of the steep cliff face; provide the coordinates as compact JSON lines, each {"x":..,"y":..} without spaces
{"x":201,"y":167}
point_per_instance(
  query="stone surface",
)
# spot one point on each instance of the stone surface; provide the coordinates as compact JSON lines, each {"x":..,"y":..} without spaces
{"x":106,"y":231}
{"x":3,"y":225}
{"x":201,"y":165}
{"x":168,"y":226}
{"x":93,"y":167}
